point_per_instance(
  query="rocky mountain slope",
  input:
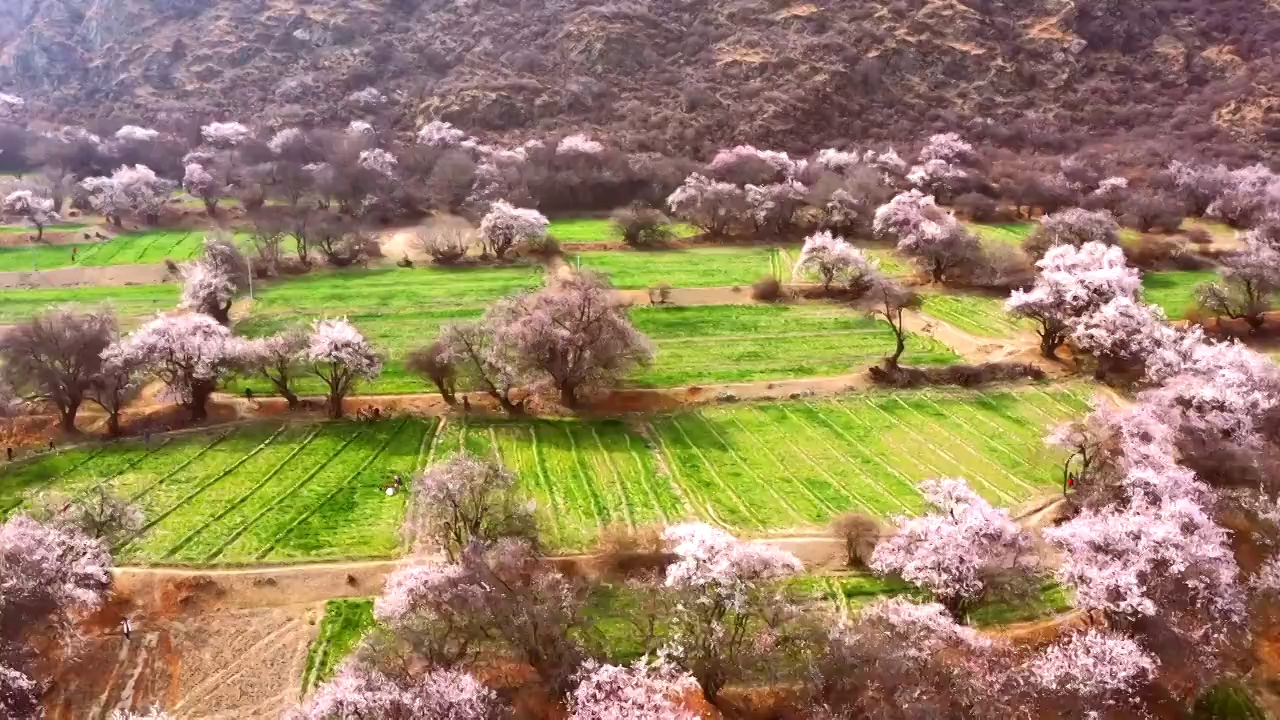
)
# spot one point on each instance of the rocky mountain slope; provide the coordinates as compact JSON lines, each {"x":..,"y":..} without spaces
{"x":669,"y":75}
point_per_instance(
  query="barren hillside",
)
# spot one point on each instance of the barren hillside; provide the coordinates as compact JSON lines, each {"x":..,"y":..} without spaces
{"x":668,"y":75}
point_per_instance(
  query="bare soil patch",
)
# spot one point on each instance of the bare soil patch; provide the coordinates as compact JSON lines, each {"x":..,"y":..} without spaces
{"x":110,"y":275}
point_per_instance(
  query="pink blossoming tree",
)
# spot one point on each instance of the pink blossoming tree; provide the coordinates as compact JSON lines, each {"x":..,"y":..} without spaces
{"x":726,"y":591}
{"x":1073,"y":282}
{"x":340,"y":356}
{"x":188,"y":353}
{"x":360,"y":693}
{"x":961,"y":552}
{"x":506,"y":226}
{"x":32,"y":208}
{"x":645,"y":690}
{"x":833,"y":260}
{"x":465,"y":499}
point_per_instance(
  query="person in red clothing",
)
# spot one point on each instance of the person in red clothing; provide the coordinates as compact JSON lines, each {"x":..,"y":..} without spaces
{"x":74,"y":250}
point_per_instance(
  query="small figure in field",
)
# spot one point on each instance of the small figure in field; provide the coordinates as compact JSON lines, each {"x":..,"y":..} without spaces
{"x":51,"y":446}
{"x":126,"y":629}
{"x":146,"y":435}
{"x":74,"y":251}
{"x":466,"y":404}
{"x":9,"y":452}
{"x":248,"y":394}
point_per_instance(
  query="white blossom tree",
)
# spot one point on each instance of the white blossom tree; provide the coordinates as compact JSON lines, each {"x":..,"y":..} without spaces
{"x":133,"y":190}
{"x":834,"y":260}
{"x":225,"y":135}
{"x":1072,"y":226}
{"x":773,"y":207}
{"x":961,"y":552}
{"x":727,"y":592}
{"x":340,"y":356}
{"x":711,"y":205}
{"x":360,"y":693}
{"x":466,"y":499}
{"x":278,"y":359}
{"x":578,"y":144}
{"x":1091,"y":672}
{"x":1120,"y":333}
{"x":187,"y":352}
{"x":1250,"y":279}
{"x":506,"y":226}
{"x":440,"y":134}
{"x":574,"y":338}
{"x":210,"y":283}
{"x":929,"y":235}
{"x":11,"y":107}
{"x":745,"y":164}
{"x":1072,"y":283}
{"x":645,"y":690}
{"x":198,"y":181}
{"x":134,"y":133}
{"x":32,"y":208}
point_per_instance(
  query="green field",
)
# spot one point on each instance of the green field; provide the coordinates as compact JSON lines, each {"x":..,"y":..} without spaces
{"x":278,"y":493}
{"x":141,"y":248}
{"x":1175,"y":290}
{"x":397,"y":309}
{"x":344,"y":623}
{"x":400,"y":310}
{"x":891,"y":263}
{"x":975,"y":314}
{"x":767,"y":467}
{"x":588,"y":230}
{"x":738,"y":343}
{"x":60,"y":227}
{"x":697,"y":267}
{"x":1003,"y":233}
{"x":130,"y":302}
{"x":258,"y":493}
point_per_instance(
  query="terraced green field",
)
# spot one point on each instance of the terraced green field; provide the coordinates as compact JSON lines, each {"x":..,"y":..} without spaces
{"x":588,"y":230}
{"x":277,"y":493}
{"x":694,"y":267}
{"x":975,"y":314}
{"x":261,"y":493}
{"x":397,"y":309}
{"x":141,"y":248}
{"x":400,"y":310}
{"x":1175,"y":290}
{"x":767,"y":467}
{"x":891,"y":263}
{"x":737,"y":343}
{"x":132,"y":303}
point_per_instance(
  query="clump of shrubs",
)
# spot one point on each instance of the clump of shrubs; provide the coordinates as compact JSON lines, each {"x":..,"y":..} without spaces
{"x":860,"y":533}
{"x":642,"y":227}
{"x":960,"y":375}
{"x":767,"y":289}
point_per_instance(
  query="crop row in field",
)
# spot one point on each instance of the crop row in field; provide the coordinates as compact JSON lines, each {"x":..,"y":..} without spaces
{"x":974,"y":314}
{"x":593,"y":230}
{"x":260,"y":493}
{"x":767,"y":467}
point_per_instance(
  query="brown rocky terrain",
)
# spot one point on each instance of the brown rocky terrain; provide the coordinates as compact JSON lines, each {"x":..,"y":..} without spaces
{"x":677,"y":76}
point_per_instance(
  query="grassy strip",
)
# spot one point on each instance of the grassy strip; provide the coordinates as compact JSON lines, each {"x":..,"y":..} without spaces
{"x":345,"y":623}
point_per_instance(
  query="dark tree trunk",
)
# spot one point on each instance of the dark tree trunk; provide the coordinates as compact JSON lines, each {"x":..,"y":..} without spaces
{"x":290,"y":397}
{"x":67,"y":417}
{"x":1049,"y":342}
{"x":199,"y":405}
{"x":569,"y":394}
{"x":446,"y":391}
{"x":335,"y":405}
{"x":40,"y":233}
{"x":211,"y":207}
{"x":113,"y":423}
